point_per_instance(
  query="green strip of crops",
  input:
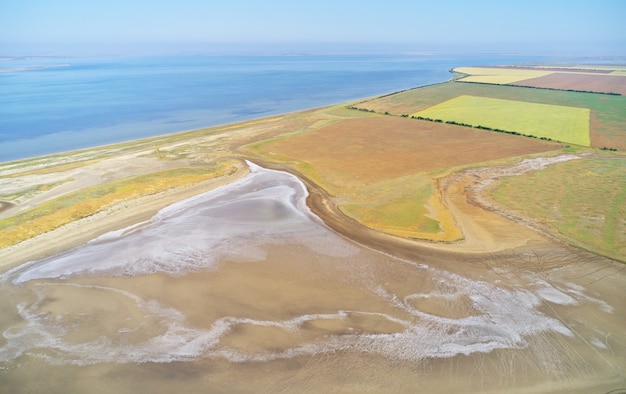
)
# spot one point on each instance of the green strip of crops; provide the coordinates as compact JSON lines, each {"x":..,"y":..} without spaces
{"x":556,"y":122}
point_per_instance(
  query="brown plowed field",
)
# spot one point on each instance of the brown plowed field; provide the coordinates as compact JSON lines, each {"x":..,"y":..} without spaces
{"x":586,"y":82}
{"x":359,"y":151}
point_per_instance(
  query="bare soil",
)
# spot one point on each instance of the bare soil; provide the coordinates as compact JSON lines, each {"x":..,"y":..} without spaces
{"x":359,"y":151}
{"x":584,"y":82}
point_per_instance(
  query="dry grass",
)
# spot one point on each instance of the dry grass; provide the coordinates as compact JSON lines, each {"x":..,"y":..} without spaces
{"x":583,"y":200}
{"x":32,"y":191}
{"x":86,"y":202}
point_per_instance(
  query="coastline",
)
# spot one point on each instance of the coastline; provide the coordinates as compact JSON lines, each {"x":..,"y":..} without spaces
{"x":122,"y":215}
{"x":487,"y":228}
{"x":480,"y":225}
{"x":256,"y":97}
{"x":480,"y":239}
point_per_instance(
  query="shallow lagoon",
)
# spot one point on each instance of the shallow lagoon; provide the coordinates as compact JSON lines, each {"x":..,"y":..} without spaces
{"x":244,"y":289}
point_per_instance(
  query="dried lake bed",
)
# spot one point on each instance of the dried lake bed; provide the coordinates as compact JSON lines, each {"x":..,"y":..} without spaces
{"x":243,"y":288}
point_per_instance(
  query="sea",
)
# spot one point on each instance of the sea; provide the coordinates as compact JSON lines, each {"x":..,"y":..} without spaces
{"x":57,"y":104}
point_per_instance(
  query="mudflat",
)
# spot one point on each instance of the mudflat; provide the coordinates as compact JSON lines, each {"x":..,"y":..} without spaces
{"x":193,"y":298}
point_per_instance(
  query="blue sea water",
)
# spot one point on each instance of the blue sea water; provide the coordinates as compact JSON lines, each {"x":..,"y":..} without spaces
{"x":51,"y":105}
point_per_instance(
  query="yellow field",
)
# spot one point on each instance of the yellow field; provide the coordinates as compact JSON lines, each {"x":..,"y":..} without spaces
{"x":557,"y":122}
{"x":499,"y":76}
{"x":504,"y":76}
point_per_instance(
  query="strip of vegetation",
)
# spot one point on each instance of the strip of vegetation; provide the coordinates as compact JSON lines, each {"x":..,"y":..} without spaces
{"x":480,"y":127}
{"x":89,"y":201}
{"x":452,"y":122}
{"x":542,"y":88}
{"x":32,"y":191}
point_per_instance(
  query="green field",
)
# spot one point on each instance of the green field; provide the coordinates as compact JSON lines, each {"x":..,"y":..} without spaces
{"x":583,"y":200}
{"x":556,"y":122}
{"x":607,"y":112}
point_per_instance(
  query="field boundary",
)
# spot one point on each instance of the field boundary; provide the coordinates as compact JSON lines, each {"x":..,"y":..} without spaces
{"x":540,"y":87}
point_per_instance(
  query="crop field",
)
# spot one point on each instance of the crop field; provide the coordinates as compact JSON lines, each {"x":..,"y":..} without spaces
{"x":499,"y":75}
{"x":565,"y":197}
{"x":612,"y":83}
{"x":561,"y":123}
{"x":381,"y":170}
{"x":600,"y":79}
{"x":607,"y":126}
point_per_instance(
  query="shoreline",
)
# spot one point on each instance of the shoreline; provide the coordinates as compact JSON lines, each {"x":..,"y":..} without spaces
{"x":233,"y":123}
{"x":133,"y":212}
{"x":179,"y":133}
{"x":122,"y":215}
{"x":321,"y":204}
{"x":462,"y":190}
{"x":480,"y":219}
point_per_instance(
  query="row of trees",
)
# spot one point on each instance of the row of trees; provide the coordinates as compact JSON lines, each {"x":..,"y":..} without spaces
{"x":539,"y":87}
{"x":478,"y":127}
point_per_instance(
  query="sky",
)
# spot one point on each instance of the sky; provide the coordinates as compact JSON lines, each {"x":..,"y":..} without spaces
{"x":30,"y":27}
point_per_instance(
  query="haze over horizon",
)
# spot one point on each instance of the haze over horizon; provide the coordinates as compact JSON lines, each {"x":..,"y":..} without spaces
{"x":69,"y":27}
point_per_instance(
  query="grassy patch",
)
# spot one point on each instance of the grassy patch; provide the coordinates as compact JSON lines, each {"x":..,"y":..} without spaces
{"x":561,"y":123}
{"x":91,"y":200}
{"x":397,"y":206}
{"x":584,"y":200}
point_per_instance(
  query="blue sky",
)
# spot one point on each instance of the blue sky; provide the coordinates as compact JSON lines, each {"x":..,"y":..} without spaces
{"x":56,"y":26}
